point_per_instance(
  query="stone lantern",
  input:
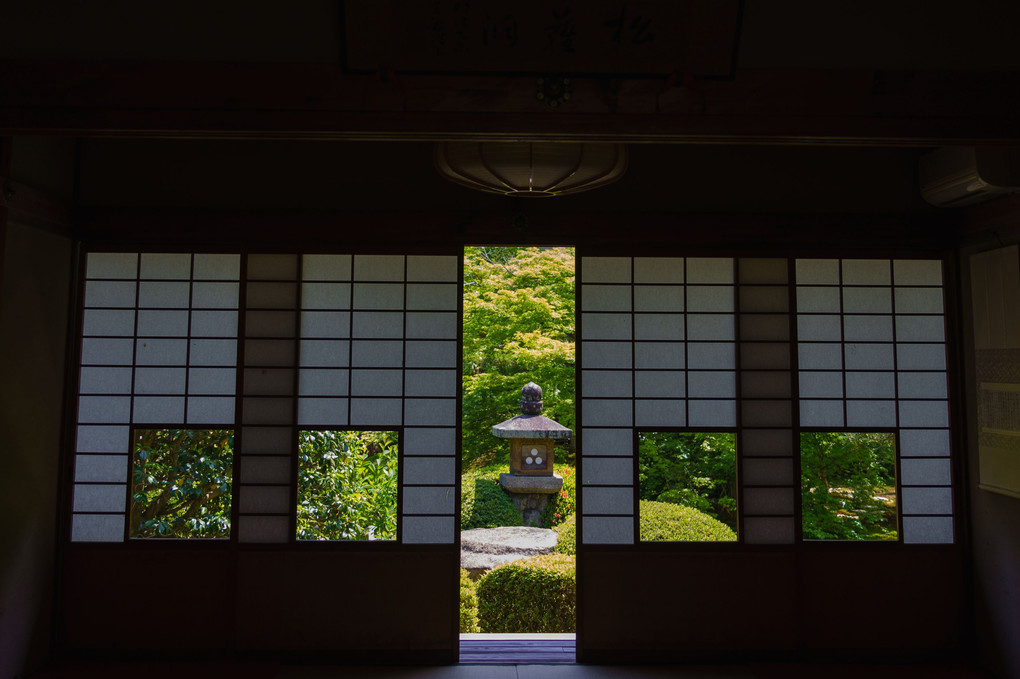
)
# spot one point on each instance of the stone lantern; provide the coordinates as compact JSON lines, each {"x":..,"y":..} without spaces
{"x":531,"y":480}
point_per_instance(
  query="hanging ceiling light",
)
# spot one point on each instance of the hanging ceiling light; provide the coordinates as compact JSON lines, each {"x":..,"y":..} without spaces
{"x":531,"y":168}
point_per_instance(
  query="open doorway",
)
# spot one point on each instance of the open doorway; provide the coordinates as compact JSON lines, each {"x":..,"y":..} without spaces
{"x":518,"y":559}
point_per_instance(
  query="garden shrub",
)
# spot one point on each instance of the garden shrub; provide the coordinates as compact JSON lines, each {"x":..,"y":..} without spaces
{"x":468,"y":604}
{"x":662,"y":521}
{"x":484,"y":503}
{"x":567,"y":534}
{"x":562,"y":505}
{"x":537,"y":594}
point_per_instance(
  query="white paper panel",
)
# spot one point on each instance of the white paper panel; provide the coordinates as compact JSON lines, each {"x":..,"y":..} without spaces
{"x":110,"y":294}
{"x":324,"y":353}
{"x":436,"y":411}
{"x":658,"y":326}
{"x":819,"y":328}
{"x":921,"y":356}
{"x":430,"y":500}
{"x":767,"y":472}
{"x":768,"y":530}
{"x":112,"y":265}
{"x":866,"y":272}
{"x":922,"y":385}
{"x":870,"y":385}
{"x":709,"y":298}
{"x":709,"y":270}
{"x":99,"y":498}
{"x":821,"y":384}
{"x":821,"y":413}
{"x":429,"y":470}
{"x":269,"y":295}
{"x":757,"y":299}
{"x":605,"y":383}
{"x":160,"y":380}
{"x":868,"y":328}
{"x":933,"y":442}
{"x":103,"y":439}
{"x":427,"y":530}
{"x":607,"y":471}
{"x":711,"y":355}
{"x":818,"y":300}
{"x":658,"y":413}
{"x":703,"y":384}
{"x":218,"y":296}
{"x":264,"y":499}
{"x":326,"y":296}
{"x":166,"y":266}
{"x":926,"y":500}
{"x":158,"y":410}
{"x":608,"y":530}
{"x":606,"y":326}
{"x":378,"y":296}
{"x":376,"y":411}
{"x":212,"y":381}
{"x":267,"y":410}
{"x":211,"y":410}
{"x":925,"y":472}
{"x":867,"y":300}
{"x":606,"y":354}
{"x":655,"y":384}
{"x":374,"y":324}
{"x":419,"y":441}
{"x":608,"y":441}
{"x":115,"y":322}
{"x":104,"y":409}
{"x":598,"y":500}
{"x":162,"y":351}
{"x":870,"y":413}
{"x":213,"y":323}
{"x":323,"y":382}
{"x":659,"y":298}
{"x":438,"y":325}
{"x":765,"y":356}
{"x":438,"y":296}
{"x":928,"y":529}
{"x":920,"y":329}
{"x":97,"y":528}
{"x":325,"y":324}
{"x":164,"y":294}
{"x":266,"y":469}
{"x":711,"y":413}
{"x":778,"y":413}
{"x":263,"y":529}
{"x":266,"y":440}
{"x":766,"y":442}
{"x":270,"y":323}
{"x":431,"y":354}
{"x":926,"y":414}
{"x":917,"y":272}
{"x":869,"y":356}
{"x":817,"y":271}
{"x":710,"y":327}
{"x":760,"y":270}
{"x":379,"y":267}
{"x":272,"y":267}
{"x":322,"y":412}
{"x":431,"y":383}
{"x":432,"y":268}
{"x":105,"y":381}
{"x":605,"y":270}
{"x":217,"y":267}
{"x":163,"y":323}
{"x":657,"y":355}
{"x":820,"y":356}
{"x":605,"y":297}
{"x":377,"y":354}
{"x":610,"y":413}
{"x":220,"y":352}
{"x":919,"y":300}
{"x":768,"y":501}
{"x":101,"y":468}
{"x":765,"y":384}
{"x":658,"y":270}
{"x":326,"y":267}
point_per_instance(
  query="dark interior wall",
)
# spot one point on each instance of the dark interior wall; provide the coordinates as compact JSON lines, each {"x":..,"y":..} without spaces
{"x":33,"y":315}
{"x":995,"y":518}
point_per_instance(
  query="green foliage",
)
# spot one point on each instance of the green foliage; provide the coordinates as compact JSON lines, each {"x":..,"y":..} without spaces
{"x":181,"y":481}
{"x":518,"y":328}
{"x":566,"y":533}
{"x":483,"y":502}
{"x":848,"y":485}
{"x":468,"y":604}
{"x":662,"y":521}
{"x":562,"y":505}
{"x":693,"y":469}
{"x":347,"y":485}
{"x":537,"y":594}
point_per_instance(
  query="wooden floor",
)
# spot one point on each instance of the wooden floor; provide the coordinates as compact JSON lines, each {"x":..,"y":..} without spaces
{"x":515,"y":649}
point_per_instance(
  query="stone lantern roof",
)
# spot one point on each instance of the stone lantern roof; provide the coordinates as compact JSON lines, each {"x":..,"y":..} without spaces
{"x":531,"y":424}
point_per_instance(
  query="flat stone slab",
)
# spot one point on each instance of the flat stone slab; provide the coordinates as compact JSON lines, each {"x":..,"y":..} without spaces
{"x":531,"y":484}
{"x":482,"y":549}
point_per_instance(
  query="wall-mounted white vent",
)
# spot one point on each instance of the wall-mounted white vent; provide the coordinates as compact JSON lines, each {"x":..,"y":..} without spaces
{"x":963,"y":175}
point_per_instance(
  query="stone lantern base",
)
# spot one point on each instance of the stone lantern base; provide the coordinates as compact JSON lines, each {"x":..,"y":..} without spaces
{"x":530,"y":494}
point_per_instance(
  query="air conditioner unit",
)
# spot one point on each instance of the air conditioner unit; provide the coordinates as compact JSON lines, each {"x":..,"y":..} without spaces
{"x":963,"y":175}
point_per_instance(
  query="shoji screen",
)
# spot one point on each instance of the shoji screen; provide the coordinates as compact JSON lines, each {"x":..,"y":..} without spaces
{"x":872,"y":354}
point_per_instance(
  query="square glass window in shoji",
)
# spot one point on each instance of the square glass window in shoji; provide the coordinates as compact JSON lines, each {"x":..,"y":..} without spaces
{"x":848,"y":485}
{"x":687,"y":484}
{"x":347,"y":485}
{"x":181,"y":483}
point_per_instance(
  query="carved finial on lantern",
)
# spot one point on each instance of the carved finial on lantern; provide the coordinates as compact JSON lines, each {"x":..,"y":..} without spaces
{"x":531,"y":399}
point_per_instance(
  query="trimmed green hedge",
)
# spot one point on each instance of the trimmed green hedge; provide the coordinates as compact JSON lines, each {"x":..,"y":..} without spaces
{"x":537,"y":594}
{"x":484,"y":503}
{"x":567,"y":534}
{"x":663,"y":521}
{"x":468,"y":604}
{"x":561,"y":506}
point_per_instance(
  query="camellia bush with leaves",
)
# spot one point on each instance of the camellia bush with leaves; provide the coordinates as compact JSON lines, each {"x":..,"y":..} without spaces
{"x":347,"y":485}
{"x":181,"y":482}
{"x":848,"y":485}
{"x":693,"y":469}
{"x":518,"y":328}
